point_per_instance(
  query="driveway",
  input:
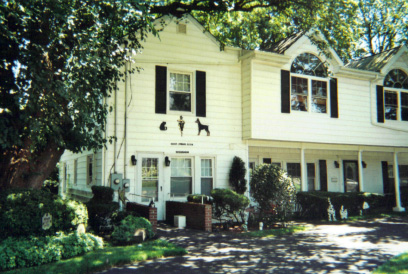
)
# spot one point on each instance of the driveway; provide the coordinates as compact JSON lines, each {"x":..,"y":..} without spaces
{"x":329,"y":248}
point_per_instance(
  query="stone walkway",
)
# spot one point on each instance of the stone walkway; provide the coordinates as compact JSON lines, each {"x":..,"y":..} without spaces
{"x":329,"y":248}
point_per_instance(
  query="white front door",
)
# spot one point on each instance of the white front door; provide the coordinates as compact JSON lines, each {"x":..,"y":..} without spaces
{"x":150,"y":181}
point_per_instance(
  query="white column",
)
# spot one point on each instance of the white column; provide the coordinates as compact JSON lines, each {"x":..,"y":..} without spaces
{"x":398,"y":207}
{"x":303,"y":170}
{"x":360,"y":170}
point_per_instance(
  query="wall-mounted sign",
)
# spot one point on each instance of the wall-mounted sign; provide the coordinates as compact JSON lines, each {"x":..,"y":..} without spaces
{"x":182,"y":144}
{"x":182,"y":152}
{"x":333,"y":179}
{"x":46,"y":221}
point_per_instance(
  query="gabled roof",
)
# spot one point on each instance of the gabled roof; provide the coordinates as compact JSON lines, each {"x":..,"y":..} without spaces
{"x":374,"y":62}
{"x":281,"y":46}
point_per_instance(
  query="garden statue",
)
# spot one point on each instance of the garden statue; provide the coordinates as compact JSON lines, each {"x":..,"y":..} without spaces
{"x":365,"y":206}
{"x":343,"y":213}
{"x":260,"y":225}
{"x":331,"y":212}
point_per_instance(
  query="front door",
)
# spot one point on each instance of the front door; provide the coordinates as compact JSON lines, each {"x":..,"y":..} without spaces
{"x":351,"y":182}
{"x":150,"y":179}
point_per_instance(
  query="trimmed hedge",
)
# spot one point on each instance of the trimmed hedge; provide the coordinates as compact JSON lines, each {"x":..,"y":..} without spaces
{"x":21,"y":213}
{"x":314,"y":204}
{"x":102,"y":194}
{"x":33,"y":251}
{"x":124,"y":233}
{"x":227,"y":203}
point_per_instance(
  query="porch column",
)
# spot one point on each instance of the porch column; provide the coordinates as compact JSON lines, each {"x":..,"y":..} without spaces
{"x":398,"y":207}
{"x":360,"y":170}
{"x":303,"y":170}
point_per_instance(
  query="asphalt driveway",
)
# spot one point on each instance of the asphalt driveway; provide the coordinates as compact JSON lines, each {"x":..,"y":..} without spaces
{"x":327,"y":248}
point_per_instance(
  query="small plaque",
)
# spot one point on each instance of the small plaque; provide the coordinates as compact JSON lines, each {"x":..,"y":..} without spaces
{"x":46,"y":221}
{"x":333,"y":179}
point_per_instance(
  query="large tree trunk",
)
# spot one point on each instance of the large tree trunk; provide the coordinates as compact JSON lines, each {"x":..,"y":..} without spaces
{"x":21,"y":168}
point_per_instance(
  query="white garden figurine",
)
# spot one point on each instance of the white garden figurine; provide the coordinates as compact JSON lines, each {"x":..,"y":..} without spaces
{"x":331,"y":212}
{"x":343,"y":213}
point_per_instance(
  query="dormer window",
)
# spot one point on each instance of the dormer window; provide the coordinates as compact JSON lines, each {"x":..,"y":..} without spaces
{"x":396,"y":96}
{"x":309,"y":84}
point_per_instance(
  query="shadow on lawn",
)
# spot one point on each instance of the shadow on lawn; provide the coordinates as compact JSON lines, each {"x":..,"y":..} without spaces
{"x":359,"y":247}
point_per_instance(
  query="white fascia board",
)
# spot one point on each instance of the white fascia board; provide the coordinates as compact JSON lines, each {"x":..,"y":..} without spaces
{"x":267,"y":57}
{"x":357,"y":74}
{"x":401,"y":51}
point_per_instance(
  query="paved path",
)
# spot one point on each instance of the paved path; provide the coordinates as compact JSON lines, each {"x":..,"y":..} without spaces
{"x":331,"y":248}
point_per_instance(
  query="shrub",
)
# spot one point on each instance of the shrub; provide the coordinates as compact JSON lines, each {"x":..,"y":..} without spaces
{"x":227,"y":203}
{"x":124,"y":233}
{"x":274,"y":192}
{"x":102,"y":194}
{"x":22,"y":211}
{"x":199,"y":198}
{"x":237,"y":175}
{"x":313,"y":205}
{"x":32,"y":251}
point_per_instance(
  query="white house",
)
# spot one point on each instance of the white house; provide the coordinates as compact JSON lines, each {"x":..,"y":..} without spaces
{"x":333,"y":127}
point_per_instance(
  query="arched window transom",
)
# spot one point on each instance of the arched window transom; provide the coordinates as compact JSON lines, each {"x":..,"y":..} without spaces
{"x":308,"y":86}
{"x":396,"y":95}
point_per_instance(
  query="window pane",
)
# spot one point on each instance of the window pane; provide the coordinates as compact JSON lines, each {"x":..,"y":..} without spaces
{"x":299,"y":86}
{"x":293,"y":169}
{"x":391,"y":105}
{"x":206,"y":186}
{"x":404,"y":106}
{"x":396,"y":78}
{"x":206,"y":168}
{"x":319,"y":96}
{"x":267,"y":160}
{"x":180,"y":186}
{"x":180,"y":101}
{"x":299,"y":102}
{"x":311,"y":176}
{"x":309,"y":64}
{"x":150,"y":179}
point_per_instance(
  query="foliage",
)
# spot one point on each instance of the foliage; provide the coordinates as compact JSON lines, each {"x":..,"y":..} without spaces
{"x":274,"y":192}
{"x":313,"y":205}
{"x":102,"y":194}
{"x":274,"y":232}
{"x":106,"y":258}
{"x":51,"y":186}
{"x":124,"y":233}
{"x":227,"y":203}
{"x":397,"y":265}
{"x":199,"y":198}
{"x":31,"y":251}
{"x":237,"y":175}
{"x":22,"y":211}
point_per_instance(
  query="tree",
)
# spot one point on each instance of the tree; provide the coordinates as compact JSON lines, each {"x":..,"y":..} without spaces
{"x":60,"y":59}
{"x":237,"y":175}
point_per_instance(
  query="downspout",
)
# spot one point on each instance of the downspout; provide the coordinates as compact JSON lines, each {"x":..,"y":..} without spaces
{"x":125,"y":126}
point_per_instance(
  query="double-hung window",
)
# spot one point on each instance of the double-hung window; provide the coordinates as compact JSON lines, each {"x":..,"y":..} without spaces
{"x":181,"y":177}
{"x":293,"y":170}
{"x":309,"y":84}
{"x":180,"y":93}
{"x":206,"y":176}
{"x":396,"y":96}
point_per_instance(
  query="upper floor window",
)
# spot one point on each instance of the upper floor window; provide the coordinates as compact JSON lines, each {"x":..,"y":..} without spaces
{"x":309,"y":89}
{"x":396,"y":95}
{"x":180,"y":92}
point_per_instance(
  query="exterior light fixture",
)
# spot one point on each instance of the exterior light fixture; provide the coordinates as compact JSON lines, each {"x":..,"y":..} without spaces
{"x":167,"y":161}
{"x":364,"y":164}
{"x":133,"y":159}
{"x":336,"y":164}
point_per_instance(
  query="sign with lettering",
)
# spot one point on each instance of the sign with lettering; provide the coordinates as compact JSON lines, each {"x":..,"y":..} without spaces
{"x":46,"y":221}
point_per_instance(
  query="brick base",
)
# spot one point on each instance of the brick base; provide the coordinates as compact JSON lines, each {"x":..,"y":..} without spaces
{"x":145,"y":211}
{"x":198,"y":216}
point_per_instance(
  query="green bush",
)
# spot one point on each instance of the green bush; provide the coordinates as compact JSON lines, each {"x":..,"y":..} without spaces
{"x":198,"y":198}
{"x":227,"y":203}
{"x":274,"y":192}
{"x":124,"y":233}
{"x":237,"y":175}
{"x":22,"y":211}
{"x":31,"y":251}
{"x":102,"y":194}
{"x":313,"y":205}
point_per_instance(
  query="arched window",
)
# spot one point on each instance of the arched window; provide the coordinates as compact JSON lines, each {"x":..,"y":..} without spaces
{"x":307,"y":81}
{"x":396,"y":95}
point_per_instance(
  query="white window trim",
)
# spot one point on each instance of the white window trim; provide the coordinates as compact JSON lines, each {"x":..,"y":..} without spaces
{"x":399,"y":91}
{"x":309,"y":93}
{"x":192,"y":92}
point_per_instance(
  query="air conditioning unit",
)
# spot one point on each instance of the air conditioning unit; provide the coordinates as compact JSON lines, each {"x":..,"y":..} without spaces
{"x":180,"y":221}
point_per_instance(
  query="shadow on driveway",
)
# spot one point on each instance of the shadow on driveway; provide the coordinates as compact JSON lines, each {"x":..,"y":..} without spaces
{"x":329,"y":248}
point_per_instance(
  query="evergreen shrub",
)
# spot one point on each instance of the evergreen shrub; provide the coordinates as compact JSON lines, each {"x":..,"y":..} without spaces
{"x":32,"y":251}
{"x":237,"y":176}
{"x":227,"y":203}
{"x":21,"y":213}
{"x":198,"y":198}
{"x":124,"y":232}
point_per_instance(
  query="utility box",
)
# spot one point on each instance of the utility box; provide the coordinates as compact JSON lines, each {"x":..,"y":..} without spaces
{"x":126,"y":185}
{"x":116,"y":181}
{"x":180,"y":221}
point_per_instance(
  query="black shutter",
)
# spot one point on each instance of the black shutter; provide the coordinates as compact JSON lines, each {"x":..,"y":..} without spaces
{"x":161,"y":89}
{"x":285,"y":91}
{"x":380,"y":104}
{"x":386,"y":180}
{"x":323,"y":175}
{"x":334,"y":106}
{"x":200,"y":93}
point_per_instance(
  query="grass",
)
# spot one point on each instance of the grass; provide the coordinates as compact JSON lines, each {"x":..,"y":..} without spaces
{"x":398,"y":264}
{"x":106,"y":258}
{"x":274,"y":232}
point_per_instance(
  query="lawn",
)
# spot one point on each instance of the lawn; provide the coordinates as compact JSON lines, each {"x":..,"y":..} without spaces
{"x":398,"y":264}
{"x":108,"y":257}
{"x":274,"y":232}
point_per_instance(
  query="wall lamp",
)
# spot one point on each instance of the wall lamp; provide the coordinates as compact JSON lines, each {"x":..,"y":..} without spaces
{"x":364,"y":164}
{"x":133,"y":159}
{"x":167,"y":161}
{"x":336,"y":164}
